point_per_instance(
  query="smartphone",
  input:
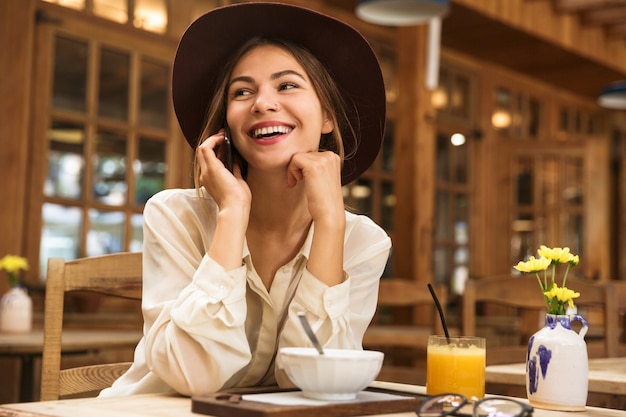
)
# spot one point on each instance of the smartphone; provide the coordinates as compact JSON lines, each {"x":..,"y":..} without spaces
{"x":228,"y":150}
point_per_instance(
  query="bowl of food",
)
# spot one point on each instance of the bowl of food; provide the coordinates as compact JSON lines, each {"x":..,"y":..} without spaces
{"x":338,"y":374}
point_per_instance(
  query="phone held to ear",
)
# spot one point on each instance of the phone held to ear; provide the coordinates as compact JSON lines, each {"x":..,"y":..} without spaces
{"x":227,"y":154}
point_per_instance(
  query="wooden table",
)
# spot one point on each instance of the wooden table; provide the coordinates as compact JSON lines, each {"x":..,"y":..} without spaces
{"x":162,"y":405}
{"x":606,"y":375}
{"x":28,"y":346}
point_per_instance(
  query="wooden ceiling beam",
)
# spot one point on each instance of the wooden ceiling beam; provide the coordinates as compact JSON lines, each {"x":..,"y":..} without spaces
{"x":609,"y":15}
{"x":617,"y":30}
{"x":577,"y":6}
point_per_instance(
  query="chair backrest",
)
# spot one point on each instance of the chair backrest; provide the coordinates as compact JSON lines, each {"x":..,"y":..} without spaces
{"x":619,"y":289}
{"x":598,"y":304}
{"x":118,"y":274}
{"x":511,"y":309}
{"x":395,"y":331}
{"x":405,"y":293}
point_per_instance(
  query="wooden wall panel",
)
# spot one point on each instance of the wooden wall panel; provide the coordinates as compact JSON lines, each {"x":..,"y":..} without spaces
{"x":16,"y":44}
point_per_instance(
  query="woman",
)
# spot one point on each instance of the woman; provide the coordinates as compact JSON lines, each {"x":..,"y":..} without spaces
{"x":228,"y":266}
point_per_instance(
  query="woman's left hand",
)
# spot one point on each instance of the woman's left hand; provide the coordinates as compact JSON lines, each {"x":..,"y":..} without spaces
{"x":321,"y":173}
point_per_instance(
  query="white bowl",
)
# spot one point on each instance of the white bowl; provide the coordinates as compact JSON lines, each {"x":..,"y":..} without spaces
{"x":338,"y":374}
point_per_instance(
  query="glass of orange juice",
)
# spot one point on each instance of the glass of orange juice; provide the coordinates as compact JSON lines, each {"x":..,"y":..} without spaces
{"x":456,"y":364}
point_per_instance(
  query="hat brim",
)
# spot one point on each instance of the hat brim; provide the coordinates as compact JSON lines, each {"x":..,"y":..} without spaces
{"x":212,"y":38}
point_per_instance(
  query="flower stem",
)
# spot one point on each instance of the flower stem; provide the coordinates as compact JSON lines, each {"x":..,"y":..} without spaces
{"x":539,"y":281}
{"x":565,"y":275}
{"x":13,"y":279}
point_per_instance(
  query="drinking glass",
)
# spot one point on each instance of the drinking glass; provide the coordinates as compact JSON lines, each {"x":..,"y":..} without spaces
{"x":456,"y":364}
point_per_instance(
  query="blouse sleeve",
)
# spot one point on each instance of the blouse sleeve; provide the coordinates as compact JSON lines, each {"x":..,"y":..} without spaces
{"x":194,"y":310}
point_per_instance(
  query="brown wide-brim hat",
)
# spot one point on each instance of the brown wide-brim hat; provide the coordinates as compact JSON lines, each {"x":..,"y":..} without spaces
{"x":211,"y":39}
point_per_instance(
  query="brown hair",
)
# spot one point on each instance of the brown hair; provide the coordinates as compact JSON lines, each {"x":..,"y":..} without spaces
{"x":324,"y":85}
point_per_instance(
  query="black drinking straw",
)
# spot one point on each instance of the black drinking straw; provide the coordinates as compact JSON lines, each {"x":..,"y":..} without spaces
{"x":441,"y":316}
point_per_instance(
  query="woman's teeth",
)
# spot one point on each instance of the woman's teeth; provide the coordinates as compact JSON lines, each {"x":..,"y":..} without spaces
{"x":265,"y":132}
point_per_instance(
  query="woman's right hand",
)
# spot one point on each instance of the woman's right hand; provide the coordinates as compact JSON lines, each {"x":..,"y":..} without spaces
{"x":226,"y":189}
{"x":233,"y":197}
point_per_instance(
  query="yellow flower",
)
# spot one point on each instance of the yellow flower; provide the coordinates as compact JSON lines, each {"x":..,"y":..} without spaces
{"x":533,"y":265}
{"x":13,"y":264}
{"x":556,"y":298}
{"x":562,"y":294}
{"x":557,"y":255}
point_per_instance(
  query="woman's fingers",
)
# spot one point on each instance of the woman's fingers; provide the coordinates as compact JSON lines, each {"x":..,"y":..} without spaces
{"x":323,"y":166}
{"x":320,"y":173}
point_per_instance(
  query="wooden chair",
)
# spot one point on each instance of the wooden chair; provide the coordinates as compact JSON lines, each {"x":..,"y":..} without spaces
{"x":398,"y":295}
{"x":509,"y":310}
{"x":619,"y":288}
{"x":118,"y":274}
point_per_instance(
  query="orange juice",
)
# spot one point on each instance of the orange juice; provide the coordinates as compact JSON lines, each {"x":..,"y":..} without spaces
{"x":458,"y":367}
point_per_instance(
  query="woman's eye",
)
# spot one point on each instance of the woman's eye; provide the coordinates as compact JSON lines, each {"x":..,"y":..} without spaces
{"x":287,"y":86}
{"x":240,"y":92}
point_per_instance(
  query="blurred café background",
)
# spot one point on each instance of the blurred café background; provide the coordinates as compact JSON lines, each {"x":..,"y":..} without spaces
{"x":497,"y":139}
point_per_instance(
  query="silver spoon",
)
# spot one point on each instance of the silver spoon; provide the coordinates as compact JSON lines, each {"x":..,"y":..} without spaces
{"x":309,"y":332}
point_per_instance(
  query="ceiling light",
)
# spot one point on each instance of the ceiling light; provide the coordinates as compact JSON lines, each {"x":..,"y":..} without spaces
{"x":401,"y":12}
{"x":613,"y":96}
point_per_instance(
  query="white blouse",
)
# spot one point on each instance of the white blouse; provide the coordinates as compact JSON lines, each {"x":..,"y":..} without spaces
{"x":206,"y":328}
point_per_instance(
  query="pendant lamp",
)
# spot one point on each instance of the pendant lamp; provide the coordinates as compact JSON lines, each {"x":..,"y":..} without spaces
{"x":401,"y":12}
{"x":613,"y":96}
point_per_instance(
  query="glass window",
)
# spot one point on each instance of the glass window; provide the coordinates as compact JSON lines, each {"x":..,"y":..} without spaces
{"x":574,"y":232}
{"x":60,"y":234}
{"x":109,"y":167}
{"x":113,"y":84}
{"x":501,"y":116}
{"x":547,"y":178}
{"x":98,"y":156}
{"x":154,"y":94}
{"x":106,"y":232}
{"x":71,"y":4}
{"x":151,"y":15}
{"x":66,"y":163}
{"x":549,"y":202}
{"x":361,"y":194}
{"x":115,"y":10}
{"x":525,"y":182}
{"x":443,"y":158}
{"x":70,"y":74}
{"x":460,"y":158}
{"x":461,"y":213}
{"x":573,"y":180}
{"x":459,"y":100}
{"x":150,"y":169}
{"x":451,"y":219}
{"x":136,"y":237}
{"x":453,"y":97}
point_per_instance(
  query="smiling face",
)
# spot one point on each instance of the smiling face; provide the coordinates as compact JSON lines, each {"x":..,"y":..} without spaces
{"x":273,"y":110}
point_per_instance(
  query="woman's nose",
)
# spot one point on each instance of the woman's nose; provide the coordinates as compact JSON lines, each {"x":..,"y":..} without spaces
{"x":265,"y":101}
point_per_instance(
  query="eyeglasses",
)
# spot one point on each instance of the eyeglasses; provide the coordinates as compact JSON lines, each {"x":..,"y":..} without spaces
{"x":451,"y":404}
